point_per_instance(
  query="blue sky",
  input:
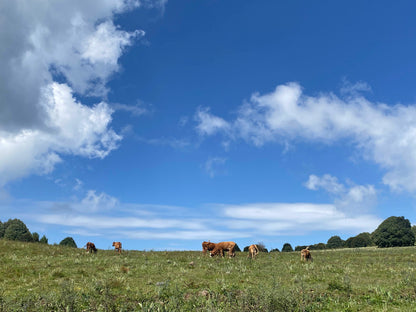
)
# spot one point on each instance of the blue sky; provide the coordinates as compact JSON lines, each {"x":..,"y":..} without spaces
{"x":165,"y":123}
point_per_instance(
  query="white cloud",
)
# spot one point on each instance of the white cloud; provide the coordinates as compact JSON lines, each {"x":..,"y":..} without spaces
{"x":41,"y":42}
{"x":209,"y":124}
{"x":348,"y":198}
{"x":70,"y":128}
{"x":97,"y":202}
{"x":214,"y":166}
{"x":296,"y":218}
{"x":384,"y":134}
{"x":327,"y":182}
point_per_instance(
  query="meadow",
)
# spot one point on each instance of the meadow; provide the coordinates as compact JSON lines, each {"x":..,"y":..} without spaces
{"x":39,"y":277}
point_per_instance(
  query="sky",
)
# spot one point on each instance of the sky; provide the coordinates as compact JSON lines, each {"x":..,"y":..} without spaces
{"x":165,"y":123}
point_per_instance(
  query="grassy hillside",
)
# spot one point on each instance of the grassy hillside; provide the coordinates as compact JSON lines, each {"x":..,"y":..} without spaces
{"x":38,"y":277}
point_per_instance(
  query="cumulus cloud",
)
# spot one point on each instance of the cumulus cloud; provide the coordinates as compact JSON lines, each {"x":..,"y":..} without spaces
{"x":349,"y":198}
{"x":51,"y":52}
{"x":384,"y":134}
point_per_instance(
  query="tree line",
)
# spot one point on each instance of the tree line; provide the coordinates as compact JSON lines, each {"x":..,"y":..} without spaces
{"x":16,"y":230}
{"x":392,"y":232}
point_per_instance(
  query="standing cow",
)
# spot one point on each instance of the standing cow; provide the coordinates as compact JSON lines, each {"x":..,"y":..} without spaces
{"x":207,"y":246}
{"x":117,"y":247}
{"x":91,"y":247}
{"x":305,"y":254}
{"x":253,"y":251}
{"x":224,"y":246}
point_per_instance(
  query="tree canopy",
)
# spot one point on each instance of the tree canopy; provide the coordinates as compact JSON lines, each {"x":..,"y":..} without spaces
{"x":16,"y":230}
{"x":361,"y":240}
{"x":68,"y":241}
{"x":287,"y":247}
{"x":335,"y":242}
{"x":394,"y":232}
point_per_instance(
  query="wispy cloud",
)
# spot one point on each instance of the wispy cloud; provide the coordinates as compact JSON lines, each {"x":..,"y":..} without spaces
{"x":349,"y":197}
{"x":215,"y":166}
{"x":384,"y":134}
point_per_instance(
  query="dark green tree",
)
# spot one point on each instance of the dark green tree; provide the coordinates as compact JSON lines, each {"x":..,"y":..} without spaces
{"x":299,"y":248}
{"x":361,"y":240}
{"x":35,"y":237}
{"x":17,"y":230}
{"x":262,"y":247}
{"x":335,"y":242}
{"x":275,"y":250}
{"x":413,"y":230}
{"x":43,"y":240}
{"x":394,"y":232}
{"x":68,"y":241}
{"x":287,"y":247}
{"x":319,"y":246}
{"x":1,"y":230}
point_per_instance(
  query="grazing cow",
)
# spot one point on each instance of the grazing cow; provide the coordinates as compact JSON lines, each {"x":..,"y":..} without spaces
{"x":305,"y":254}
{"x":207,"y":246}
{"x":117,"y":247}
{"x":91,"y":247}
{"x":224,"y":246}
{"x":253,"y":250}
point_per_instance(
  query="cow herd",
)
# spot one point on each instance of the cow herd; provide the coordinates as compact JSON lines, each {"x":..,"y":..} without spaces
{"x":215,"y":249}
{"x":253,"y":250}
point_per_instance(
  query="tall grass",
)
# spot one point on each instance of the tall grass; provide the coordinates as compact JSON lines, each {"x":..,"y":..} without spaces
{"x":38,"y":277}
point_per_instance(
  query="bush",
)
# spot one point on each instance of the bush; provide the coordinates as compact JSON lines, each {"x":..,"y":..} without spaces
{"x":68,"y":241}
{"x":335,"y":242}
{"x":43,"y":240}
{"x":287,"y":247}
{"x":17,"y":230}
{"x":394,"y":232}
{"x":35,"y":237}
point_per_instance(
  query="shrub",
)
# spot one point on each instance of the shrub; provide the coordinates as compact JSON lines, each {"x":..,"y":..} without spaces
{"x":394,"y":232}
{"x":35,"y":237}
{"x":287,"y":247}
{"x":43,"y":240}
{"x":68,"y":241}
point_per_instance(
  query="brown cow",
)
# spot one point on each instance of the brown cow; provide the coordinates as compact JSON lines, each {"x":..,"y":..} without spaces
{"x":224,"y":246}
{"x":253,"y":251}
{"x":207,"y":246}
{"x":91,"y":247}
{"x":117,"y":247}
{"x":305,"y":254}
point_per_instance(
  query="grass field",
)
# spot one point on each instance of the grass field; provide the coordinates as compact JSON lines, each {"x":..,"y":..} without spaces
{"x":37,"y":277}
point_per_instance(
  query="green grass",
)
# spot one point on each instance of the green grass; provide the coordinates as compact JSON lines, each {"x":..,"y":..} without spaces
{"x":37,"y":277}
